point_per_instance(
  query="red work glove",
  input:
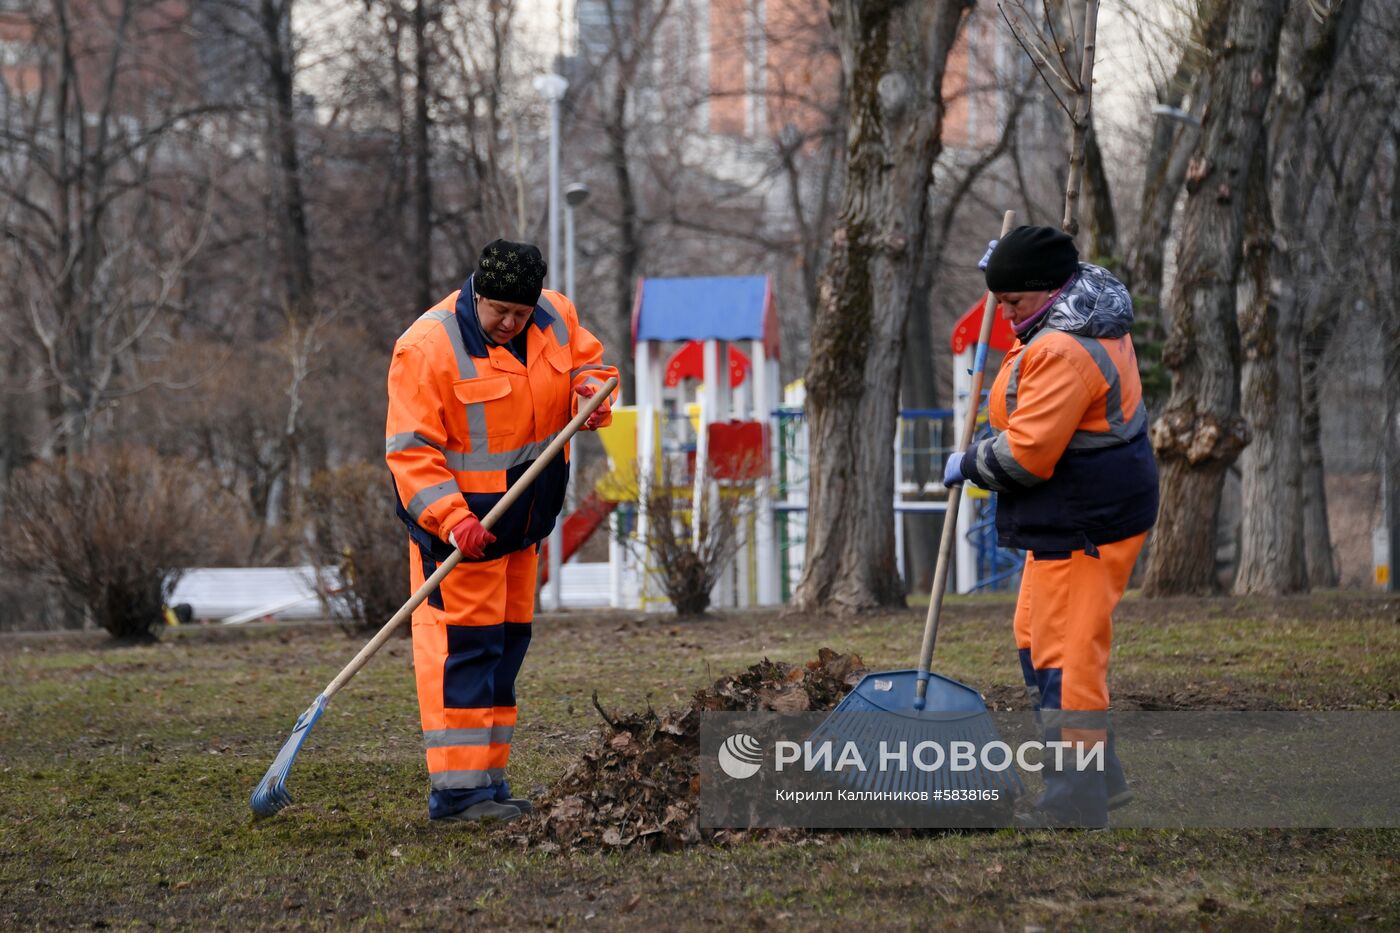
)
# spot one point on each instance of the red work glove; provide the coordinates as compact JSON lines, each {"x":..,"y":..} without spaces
{"x":471,"y":537}
{"x":596,"y":419}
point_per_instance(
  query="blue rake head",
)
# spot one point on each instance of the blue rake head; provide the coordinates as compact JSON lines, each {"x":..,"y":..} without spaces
{"x":897,"y":692}
{"x":883,"y":711}
{"x":271,"y":793}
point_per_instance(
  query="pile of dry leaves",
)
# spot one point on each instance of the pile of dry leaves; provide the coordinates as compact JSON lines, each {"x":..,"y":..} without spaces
{"x":640,"y":782}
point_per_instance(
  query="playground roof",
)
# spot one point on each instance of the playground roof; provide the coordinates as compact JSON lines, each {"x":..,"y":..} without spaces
{"x":734,"y":307}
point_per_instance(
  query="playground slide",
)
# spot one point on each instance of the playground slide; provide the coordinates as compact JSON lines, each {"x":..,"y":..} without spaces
{"x":578,"y":528}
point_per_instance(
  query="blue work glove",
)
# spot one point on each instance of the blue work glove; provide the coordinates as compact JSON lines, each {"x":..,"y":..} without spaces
{"x":987,"y":256}
{"x":952,"y":471}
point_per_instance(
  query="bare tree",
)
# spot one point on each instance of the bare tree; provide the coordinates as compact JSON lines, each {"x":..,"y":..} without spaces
{"x":919,"y":378}
{"x":1066,"y":63}
{"x":689,"y":560}
{"x":123,"y":567}
{"x":278,"y":50}
{"x":1332,"y":268}
{"x":101,"y":216}
{"x":424,"y":14}
{"x":616,"y":81}
{"x":1202,"y":431}
{"x":1175,"y":133}
{"x":1272,"y":557}
{"x":894,"y":56}
{"x":811,"y":164}
{"x":1390,"y":333}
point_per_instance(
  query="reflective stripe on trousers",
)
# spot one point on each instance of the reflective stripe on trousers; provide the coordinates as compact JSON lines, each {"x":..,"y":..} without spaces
{"x":466,"y":657}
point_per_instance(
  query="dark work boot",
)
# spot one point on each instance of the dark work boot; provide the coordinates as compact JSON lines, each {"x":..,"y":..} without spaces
{"x":486,"y":810}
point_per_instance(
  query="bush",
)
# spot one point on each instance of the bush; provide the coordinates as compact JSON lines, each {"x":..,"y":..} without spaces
{"x":354,"y":528}
{"x":687,"y":571}
{"x":27,"y":604}
{"x":114,"y":528}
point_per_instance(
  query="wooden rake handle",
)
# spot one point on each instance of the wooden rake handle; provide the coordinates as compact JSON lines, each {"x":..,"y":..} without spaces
{"x":950,"y":517}
{"x":506,"y":501}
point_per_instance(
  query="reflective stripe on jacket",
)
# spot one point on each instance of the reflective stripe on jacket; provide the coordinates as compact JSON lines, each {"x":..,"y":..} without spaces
{"x":1071,"y":459}
{"x":467,"y":418}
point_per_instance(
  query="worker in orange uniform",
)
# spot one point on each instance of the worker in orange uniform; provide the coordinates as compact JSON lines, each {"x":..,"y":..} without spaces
{"x":1076,"y":488}
{"x":478,"y":387}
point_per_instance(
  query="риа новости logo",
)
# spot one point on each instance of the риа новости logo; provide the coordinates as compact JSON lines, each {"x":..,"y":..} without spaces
{"x":740,"y":756}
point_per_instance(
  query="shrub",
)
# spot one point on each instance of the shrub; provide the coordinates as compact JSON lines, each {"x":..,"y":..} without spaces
{"x":113,"y":529}
{"x":686,"y":569}
{"x":27,"y":604}
{"x":354,"y":529}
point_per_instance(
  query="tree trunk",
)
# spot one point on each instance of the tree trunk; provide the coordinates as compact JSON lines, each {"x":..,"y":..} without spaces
{"x":1390,"y":460}
{"x":1102,"y":243}
{"x":919,"y":389}
{"x":422,"y":163}
{"x":1388,"y":309}
{"x":919,"y":384}
{"x":14,"y":428}
{"x":1201,"y":432}
{"x":1081,"y":124}
{"x":893,"y":57}
{"x":1317,"y":535}
{"x":1271,"y":556}
{"x":629,"y":243}
{"x":1350,"y":169}
{"x":1168,"y":155}
{"x":276,"y":16}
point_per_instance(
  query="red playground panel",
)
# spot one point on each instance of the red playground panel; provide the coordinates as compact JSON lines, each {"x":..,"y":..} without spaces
{"x":578,"y":528}
{"x":738,"y":450}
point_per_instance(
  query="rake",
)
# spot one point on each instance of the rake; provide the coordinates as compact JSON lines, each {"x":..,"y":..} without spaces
{"x":918,"y":706}
{"x":271,"y":793}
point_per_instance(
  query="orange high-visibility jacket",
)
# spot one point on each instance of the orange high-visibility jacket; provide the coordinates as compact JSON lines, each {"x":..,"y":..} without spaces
{"x":1071,"y":460}
{"x":467,"y":418}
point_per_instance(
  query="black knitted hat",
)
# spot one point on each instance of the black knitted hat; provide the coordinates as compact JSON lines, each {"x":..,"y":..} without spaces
{"x":1032,"y":259}
{"x":510,"y":272}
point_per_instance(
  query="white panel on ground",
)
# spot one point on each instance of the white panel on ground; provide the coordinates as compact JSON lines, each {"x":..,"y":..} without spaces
{"x":242,"y":594}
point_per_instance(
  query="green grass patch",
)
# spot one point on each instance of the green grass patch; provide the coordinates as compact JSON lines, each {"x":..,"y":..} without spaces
{"x":125,"y":774}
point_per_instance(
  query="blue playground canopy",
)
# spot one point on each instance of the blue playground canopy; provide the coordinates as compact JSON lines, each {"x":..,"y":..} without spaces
{"x":736,"y":307}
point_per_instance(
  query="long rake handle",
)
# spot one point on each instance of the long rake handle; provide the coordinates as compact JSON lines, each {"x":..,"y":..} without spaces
{"x":506,"y":501}
{"x":950,"y":517}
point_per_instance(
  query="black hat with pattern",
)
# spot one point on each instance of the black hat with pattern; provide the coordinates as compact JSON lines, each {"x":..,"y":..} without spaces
{"x":1031,"y":259}
{"x":510,"y":272}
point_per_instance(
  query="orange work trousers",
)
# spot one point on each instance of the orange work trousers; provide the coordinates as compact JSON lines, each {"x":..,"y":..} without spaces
{"x":1064,"y":622}
{"x":469,"y":639}
{"x":1064,"y":631}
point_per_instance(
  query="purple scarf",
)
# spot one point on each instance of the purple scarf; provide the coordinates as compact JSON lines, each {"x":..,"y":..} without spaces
{"x":1029,"y":324}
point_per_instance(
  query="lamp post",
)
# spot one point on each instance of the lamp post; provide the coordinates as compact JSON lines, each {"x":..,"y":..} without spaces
{"x":552,"y":88}
{"x":574,"y":196}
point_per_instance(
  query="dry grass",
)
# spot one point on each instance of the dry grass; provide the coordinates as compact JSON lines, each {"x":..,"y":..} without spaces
{"x":125,"y":774}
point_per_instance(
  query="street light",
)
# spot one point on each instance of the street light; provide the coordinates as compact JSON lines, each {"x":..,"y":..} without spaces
{"x":574,"y":195}
{"x":552,"y":88}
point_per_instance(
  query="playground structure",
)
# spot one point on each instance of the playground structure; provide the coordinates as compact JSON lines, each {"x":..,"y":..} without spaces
{"x":980,"y":563}
{"x":710,"y":419}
